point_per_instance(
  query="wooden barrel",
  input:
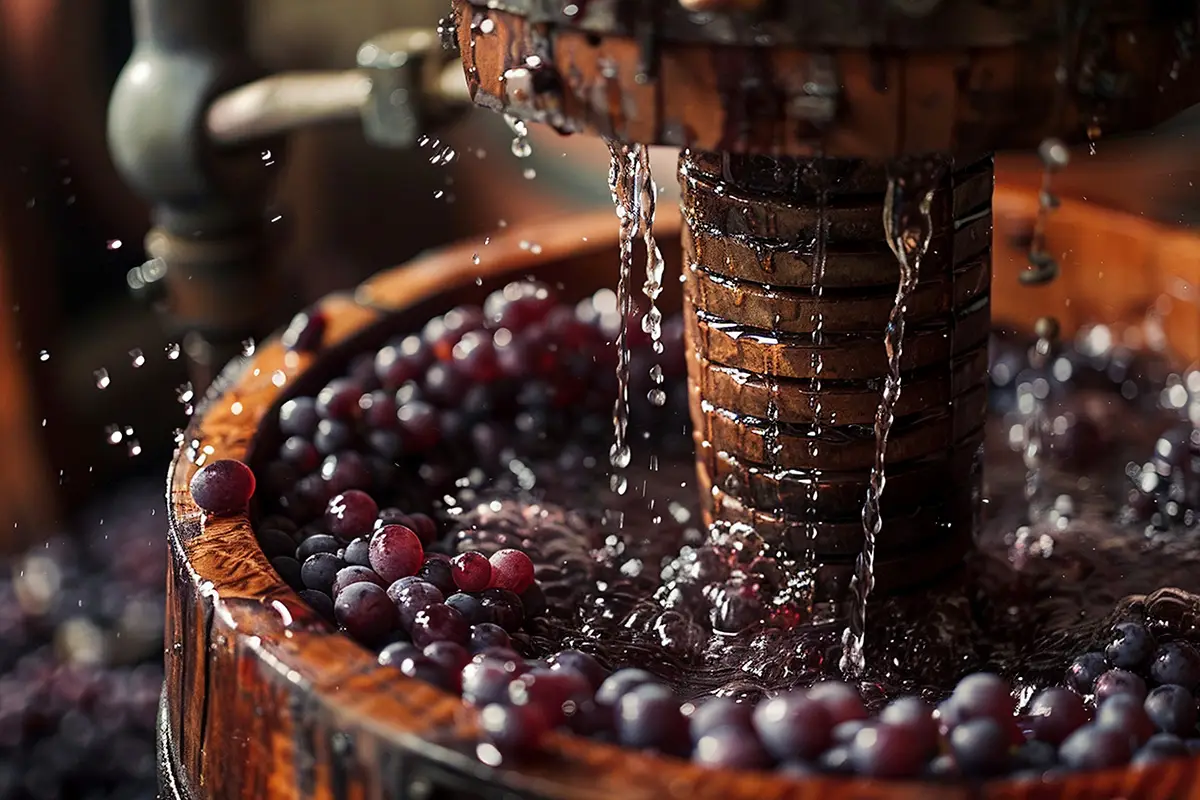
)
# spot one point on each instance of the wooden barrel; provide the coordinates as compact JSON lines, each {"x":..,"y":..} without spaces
{"x":264,"y":701}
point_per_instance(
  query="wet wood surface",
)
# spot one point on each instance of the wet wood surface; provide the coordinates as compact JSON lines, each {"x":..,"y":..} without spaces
{"x":264,"y":701}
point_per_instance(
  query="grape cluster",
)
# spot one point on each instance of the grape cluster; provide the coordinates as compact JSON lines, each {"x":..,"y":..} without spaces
{"x":975,"y":734}
{"x":368,"y":571}
{"x":81,"y":630}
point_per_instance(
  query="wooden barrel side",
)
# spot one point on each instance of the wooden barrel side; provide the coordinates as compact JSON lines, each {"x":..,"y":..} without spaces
{"x":263,"y":700}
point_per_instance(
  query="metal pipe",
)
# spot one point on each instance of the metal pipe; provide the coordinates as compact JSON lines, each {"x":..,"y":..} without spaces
{"x":290,"y":101}
{"x":283,"y":103}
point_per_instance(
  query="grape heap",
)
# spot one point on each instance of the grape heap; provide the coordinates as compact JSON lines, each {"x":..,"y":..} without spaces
{"x":81,"y":637}
{"x":389,"y":506}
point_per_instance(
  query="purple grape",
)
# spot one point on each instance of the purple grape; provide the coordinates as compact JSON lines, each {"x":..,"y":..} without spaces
{"x":423,"y":525}
{"x":648,"y":718}
{"x":437,"y":570}
{"x":351,"y":514}
{"x":411,"y":598}
{"x":1131,"y":646}
{"x":582,"y":663}
{"x":338,"y":400}
{"x":514,"y":731}
{"x":320,"y":602}
{"x":317,"y":543}
{"x":556,"y":694}
{"x":1161,"y":747}
{"x":451,"y":657}
{"x":378,"y":410}
{"x":395,"y":552}
{"x":1035,"y":757}
{"x":366,"y":612}
{"x":981,"y":747}
{"x":420,"y":430}
{"x":1055,"y":714}
{"x":401,"y":362}
{"x":1172,"y":709}
{"x":512,"y":570}
{"x":332,"y":437}
{"x":519,"y":305}
{"x":620,"y":683}
{"x":841,"y":701}
{"x":344,"y":471}
{"x":299,"y":453}
{"x":503,"y":608}
{"x":791,"y":726}
{"x":429,"y":671}
{"x":439,"y":623}
{"x":350,"y":575}
{"x":722,"y":712}
{"x":981,"y":695}
{"x":319,"y":571}
{"x":289,"y":571}
{"x":275,"y":543}
{"x":1095,"y":747}
{"x":1119,"y":681}
{"x":395,"y":653}
{"x":888,"y":751}
{"x":358,"y":552}
{"x":223,"y":487}
{"x":469,"y":606}
{"x":1176,"y":663}
{"x":731,"y":748}
{"x":486,"y":635}
{"x":472,"y":572}
{"x":914,"y":715}
{"x":1126,"y":713}
{"x":298,"y":417}
{"x":486,"y":682}
{"x":844,"y":732}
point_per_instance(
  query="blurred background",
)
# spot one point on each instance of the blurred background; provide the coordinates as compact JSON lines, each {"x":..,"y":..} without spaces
{"x":93,"y":389}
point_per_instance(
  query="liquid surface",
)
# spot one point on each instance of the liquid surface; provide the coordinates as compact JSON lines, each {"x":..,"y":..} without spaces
{"x":635,"y":580}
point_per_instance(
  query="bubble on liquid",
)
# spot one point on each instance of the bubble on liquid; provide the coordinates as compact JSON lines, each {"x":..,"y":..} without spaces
{"x":137,"y":357}
{"x":44,"y":355}
{"x":102,"y":379}
{"x":172,"y":351}
{"x":248,"y":347}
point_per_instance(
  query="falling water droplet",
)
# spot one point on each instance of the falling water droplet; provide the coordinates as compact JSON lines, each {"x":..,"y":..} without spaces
{"x":520,"y":143}
{"x":114,"y":244}
{"x":137,"y":357}
{"x":248,"y":347}
{"x":172,"y":351}
{"x":475,"y":259}
{"x":530,"y":173}
{"x":134,"y":448}
{"x":113,"y":435}
{"x":44,"y":355}
{"x":102,"y":379}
